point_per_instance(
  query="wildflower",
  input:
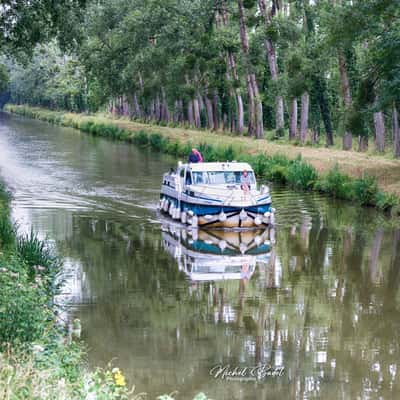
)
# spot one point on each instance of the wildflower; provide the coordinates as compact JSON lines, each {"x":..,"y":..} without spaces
{"x":119,"y":378}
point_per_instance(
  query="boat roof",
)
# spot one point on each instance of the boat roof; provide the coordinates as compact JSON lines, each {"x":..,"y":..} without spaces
{"x":219,"y":166}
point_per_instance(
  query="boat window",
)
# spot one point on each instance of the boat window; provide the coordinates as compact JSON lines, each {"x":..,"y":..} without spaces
{"x":220,"y":177}
{"x":200,"y":177}
{"x":182,"y":173}
{"x":188,"y":178}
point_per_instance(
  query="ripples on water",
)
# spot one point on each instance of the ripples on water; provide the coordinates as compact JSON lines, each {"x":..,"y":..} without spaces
{"x":318,"y":297}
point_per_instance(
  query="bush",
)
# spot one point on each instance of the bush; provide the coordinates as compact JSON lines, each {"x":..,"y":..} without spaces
{"x":227,"y":153}
{"x":24,"y":305}
{"x":386,"y":201}
{"x":336,"y":184}
{"x":261,"y":164}
{"x":301,"y":175}
{"x":7,"y":233}
{"x":174,"y":148}
{"x":208,"y":151}
{"x":86,"y":126}
{"x":365,"y":190}
{"x":157,"y":142}
{"x":39,"y":260}
{"x":141,"y":138}
{"x":7,"y":229}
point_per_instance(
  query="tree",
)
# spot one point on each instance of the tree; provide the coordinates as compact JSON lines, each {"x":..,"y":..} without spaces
{"x":4,"y":78}
{"x":23,"y":24}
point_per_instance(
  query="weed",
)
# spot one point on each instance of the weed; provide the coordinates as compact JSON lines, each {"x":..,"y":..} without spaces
{"x":301,"y":175}
{"x":365,"y":190}
{"x":336,"y":184}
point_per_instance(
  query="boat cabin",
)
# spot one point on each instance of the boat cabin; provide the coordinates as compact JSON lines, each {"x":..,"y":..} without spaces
{"x":229,"y":174}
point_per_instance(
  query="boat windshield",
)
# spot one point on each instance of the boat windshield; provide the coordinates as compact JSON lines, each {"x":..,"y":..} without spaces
{"x":221,"y":177}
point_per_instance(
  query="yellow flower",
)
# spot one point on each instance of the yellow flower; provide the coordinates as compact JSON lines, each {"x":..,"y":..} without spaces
{"x":119,"y":379}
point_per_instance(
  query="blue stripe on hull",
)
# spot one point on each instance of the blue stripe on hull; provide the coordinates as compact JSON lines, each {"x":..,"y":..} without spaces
{"x":201,"y":210}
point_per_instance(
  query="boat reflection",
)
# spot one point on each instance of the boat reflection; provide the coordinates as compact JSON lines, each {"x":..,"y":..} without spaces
{"x":217,"y":255}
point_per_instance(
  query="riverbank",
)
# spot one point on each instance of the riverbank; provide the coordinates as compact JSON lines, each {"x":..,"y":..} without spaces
{"x":37,"y":357}
{"x":40,"y":358}
{"x":357,"y":177}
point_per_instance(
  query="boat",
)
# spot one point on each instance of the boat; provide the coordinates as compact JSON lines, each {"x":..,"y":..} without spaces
{"x":216,"y":195}
{"x":218,"y":255}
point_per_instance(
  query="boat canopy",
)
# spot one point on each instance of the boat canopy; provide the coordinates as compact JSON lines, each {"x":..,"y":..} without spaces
{"x":219,"y":166}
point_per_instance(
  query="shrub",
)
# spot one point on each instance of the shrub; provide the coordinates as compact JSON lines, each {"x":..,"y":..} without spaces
{"x":39,"y":260}
{"x":157,"y":142}
{"x":173,"y":148}
{"x":336,"y":184}
{"x":301,"y":175}
{"x":141,"y":138}
{"x":24,"y":304}
{"x":124,"y":135}
{"x":86,"y":126}
{"x":261,"y":165}
{"x":365,"y":190}
{"x":7,"y":233}
{"x":386,"y":201}
{"x":208,"y":151}
{"x":7,"y":229}
{"x":227,"y":153}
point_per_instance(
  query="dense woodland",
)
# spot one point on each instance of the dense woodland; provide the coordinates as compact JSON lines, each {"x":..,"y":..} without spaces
{"x":319,"y":71}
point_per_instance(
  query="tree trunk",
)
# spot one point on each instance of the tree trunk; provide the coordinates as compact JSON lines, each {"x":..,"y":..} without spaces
{"x":362,"y":143}
{"x":240,"y":112}
{"x":136,"y":107}
{"x":273,"y":65}
{"x":215,"y":111}
{"x":196,"y":108}
{"x":305,"y":106}
{"x":125,"y":106}
{"x":293,"y":120}
{"x":250,"y":122}
{"x":379,"y":124}
{"x":210,"y":116}
{"x":396,"y":132}
{"x":324,"y":109}
{"x":259,"y":123}
{"x":280,"y":121}
{"x":344,"y":80}
{"x":165,"y":114}
{"x":157,"y":115}
{"x":315,"y":135}
{"x":190,"y":112}
{"x":153,"y":110}
{"x":231,"y":64}
{"x":255,"y":105}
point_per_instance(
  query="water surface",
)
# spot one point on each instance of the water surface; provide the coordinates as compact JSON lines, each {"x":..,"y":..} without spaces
{"x":318,"y":297}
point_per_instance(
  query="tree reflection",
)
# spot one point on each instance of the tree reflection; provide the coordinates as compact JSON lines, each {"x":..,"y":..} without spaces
{"x":324,"y":303}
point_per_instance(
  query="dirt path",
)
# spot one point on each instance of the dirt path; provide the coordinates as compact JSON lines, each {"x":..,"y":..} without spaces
{"x":352,"y":163}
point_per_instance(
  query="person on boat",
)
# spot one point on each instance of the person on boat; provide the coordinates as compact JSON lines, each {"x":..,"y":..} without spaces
{"x":195,"y":156}
{"x":245,"y":181}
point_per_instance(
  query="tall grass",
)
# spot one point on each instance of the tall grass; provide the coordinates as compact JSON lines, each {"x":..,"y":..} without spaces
{"x":7,"y":229}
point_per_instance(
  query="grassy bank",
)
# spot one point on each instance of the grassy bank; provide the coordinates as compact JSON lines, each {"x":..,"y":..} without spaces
{"x":38,"y":360}
{"x":360,"y":178}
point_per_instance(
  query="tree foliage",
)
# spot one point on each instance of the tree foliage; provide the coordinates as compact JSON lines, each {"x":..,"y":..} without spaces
{"x":180,"y":61}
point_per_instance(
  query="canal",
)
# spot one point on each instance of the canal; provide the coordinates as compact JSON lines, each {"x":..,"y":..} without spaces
{"x":316,"y":301}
